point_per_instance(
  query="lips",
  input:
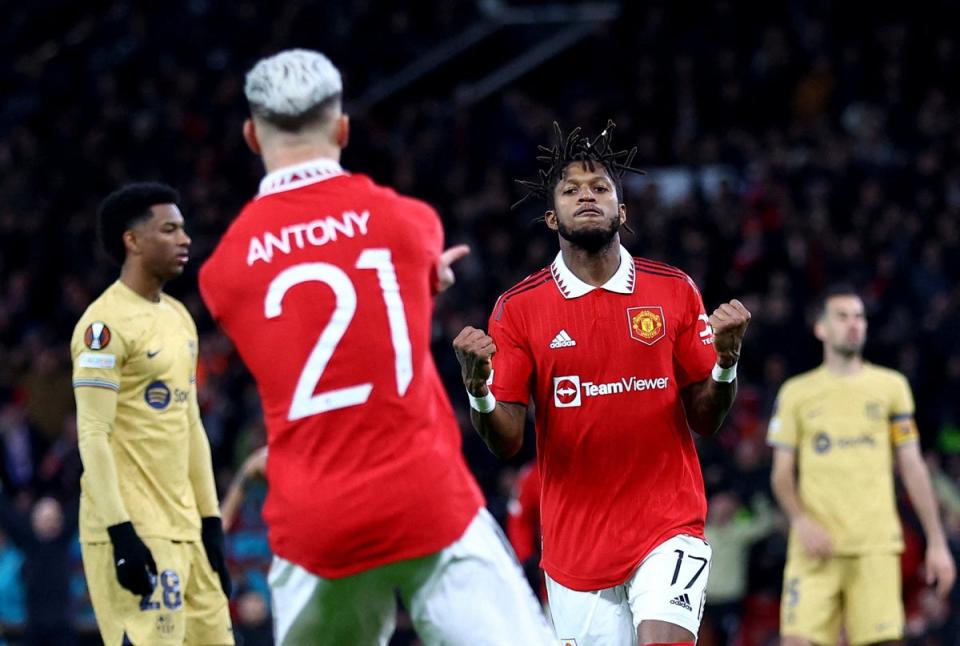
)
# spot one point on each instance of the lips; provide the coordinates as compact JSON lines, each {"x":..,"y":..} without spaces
{"x":587,"y":210}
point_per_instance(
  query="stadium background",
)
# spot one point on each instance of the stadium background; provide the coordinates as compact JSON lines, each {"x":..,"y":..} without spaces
{"x":787,"y":145}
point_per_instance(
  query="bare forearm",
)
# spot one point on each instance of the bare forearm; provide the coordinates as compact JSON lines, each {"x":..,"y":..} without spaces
{"x":500,"y":429}
{"x":916,"y":480}
{"x":784,"y":487}
{"x":201,"y":466}
{"x":707,"y":403}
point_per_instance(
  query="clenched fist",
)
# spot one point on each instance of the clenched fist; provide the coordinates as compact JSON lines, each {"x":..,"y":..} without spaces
{"x":474,"y":350}
{"x":729,"y":322}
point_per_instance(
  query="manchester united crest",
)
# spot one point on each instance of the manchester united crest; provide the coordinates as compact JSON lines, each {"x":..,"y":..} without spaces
{"x":646,"y":323}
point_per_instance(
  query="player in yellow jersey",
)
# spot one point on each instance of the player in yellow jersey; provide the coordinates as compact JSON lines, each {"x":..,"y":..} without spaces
{"x":841,"y":427}
{"x":150,"y":531}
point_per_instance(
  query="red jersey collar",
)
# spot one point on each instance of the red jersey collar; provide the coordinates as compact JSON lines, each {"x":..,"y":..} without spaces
{"x":291,"y":177}
{"x":570,"y":286}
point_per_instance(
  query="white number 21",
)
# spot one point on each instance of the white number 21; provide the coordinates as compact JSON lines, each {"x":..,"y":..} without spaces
{"x":305,"y":403}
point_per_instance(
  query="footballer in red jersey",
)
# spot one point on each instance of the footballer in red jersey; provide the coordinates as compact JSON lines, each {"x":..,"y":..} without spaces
{"x":621,"y":361}
{"x":325,"y":284}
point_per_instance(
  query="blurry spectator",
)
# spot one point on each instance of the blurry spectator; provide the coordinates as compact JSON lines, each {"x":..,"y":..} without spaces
{"x":253,"y":627}
{"x":45,"y":536}
{"x":731,"y":531}
{"x":12,"y":605}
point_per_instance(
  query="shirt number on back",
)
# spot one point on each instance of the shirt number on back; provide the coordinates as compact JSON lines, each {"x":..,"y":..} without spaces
{"x":305,"y":403}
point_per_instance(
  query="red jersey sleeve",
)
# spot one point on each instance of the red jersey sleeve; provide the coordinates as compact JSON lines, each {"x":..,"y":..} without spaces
{"x":512,"y":364}
{"x":434,"y":239}
{"x":207,"y":290}
{"x":694,"y":354}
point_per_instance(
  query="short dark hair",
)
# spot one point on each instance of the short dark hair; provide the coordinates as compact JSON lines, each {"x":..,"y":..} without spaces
{"x":294,"y":124}
{"x":126,"y":207}
{"x":574,"y":147}
{"x":833,"y":290}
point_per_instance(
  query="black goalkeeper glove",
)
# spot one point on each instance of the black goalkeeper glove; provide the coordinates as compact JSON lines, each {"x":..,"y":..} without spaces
{"x":136,"y":569}
{"x":212,"y":533}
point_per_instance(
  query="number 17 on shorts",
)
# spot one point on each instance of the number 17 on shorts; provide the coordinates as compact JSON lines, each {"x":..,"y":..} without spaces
{"x":670,"y":585}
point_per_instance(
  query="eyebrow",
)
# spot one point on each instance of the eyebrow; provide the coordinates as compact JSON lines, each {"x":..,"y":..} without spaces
{"x":594,"y":178}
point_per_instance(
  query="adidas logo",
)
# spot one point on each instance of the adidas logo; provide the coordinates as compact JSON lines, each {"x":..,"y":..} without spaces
{"x":683,"y":601}
{"x":562,"y":340}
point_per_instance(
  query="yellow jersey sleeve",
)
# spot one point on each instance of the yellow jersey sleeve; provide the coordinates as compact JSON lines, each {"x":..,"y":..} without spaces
{"x":783,"y":430}
{"x":201,"y":465}
{"x":98,"y":355}
{"x":98,"y":352}
{"x":903,"y":429}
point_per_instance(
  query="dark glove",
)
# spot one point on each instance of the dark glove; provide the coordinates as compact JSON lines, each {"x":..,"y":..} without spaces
{"x":212,"y":533}
{"x":136,"y":569}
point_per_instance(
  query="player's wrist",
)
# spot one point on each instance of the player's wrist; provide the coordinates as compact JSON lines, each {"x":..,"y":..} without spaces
{"x":727,"y":359}
{"x":122,"y":532}
{"x":724,"y":374}
{"x":477,"y":387}
{"x":484,"y":404}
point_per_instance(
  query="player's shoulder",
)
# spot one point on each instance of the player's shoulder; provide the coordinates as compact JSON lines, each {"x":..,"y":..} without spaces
{"x":111,"y":302}
{"x":803,"y":384}
{"x":659,"y":270}
{"x":181,"y":309}
{"x":527,"y":290}
{"x":884,"y":376}
{"x":389,"y":197}
{"x":106,"y":318}
{"x":663,"y":275}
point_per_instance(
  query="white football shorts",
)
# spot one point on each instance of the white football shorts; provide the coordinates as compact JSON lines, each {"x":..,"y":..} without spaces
{"x":472,"y":592}
{"x":669,"y":585}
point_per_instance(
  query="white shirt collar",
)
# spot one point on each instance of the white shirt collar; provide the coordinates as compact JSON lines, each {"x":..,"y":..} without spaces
{"x":297,"y":175}
{"x":570,"y":286}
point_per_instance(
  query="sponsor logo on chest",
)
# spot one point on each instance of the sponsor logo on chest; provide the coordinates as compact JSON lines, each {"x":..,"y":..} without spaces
{"x":569,"y":390}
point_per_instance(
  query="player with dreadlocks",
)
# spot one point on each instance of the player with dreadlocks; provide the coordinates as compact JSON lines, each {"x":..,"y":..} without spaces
{"x":620,"y":361}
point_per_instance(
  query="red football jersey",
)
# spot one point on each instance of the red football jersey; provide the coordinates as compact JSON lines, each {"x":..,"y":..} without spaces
{"x":325,"y":284}
{"x":605,"y":367}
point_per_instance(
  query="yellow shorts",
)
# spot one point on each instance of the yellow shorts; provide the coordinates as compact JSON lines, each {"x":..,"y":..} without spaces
{"x":860,"y":592}
{"x":187,"y":605}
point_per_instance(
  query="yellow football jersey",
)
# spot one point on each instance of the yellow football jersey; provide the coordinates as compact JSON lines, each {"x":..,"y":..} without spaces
{"x":147,"y":353}
{"x":842,"y":429}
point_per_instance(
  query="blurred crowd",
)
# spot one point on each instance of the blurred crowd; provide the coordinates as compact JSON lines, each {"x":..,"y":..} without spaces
{"x":786,"y":146}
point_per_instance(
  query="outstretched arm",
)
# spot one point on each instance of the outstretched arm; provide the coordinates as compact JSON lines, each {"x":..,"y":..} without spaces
{"x":707,"y":402}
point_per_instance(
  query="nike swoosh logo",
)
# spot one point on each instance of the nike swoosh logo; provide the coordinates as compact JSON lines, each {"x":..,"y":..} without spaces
{"x":151,"y":355}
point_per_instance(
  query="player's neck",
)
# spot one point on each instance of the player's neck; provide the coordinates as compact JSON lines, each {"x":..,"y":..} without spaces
{"x":592,"y":267}
{"x":291,"y":154}
{"x":141,"y":282}
{"x":842,"y":365}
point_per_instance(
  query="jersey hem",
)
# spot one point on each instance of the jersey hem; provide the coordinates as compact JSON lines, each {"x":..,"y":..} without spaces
{"x":356,"y":568}
{"x":92,"y":538}
{"x":594,"y":583}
